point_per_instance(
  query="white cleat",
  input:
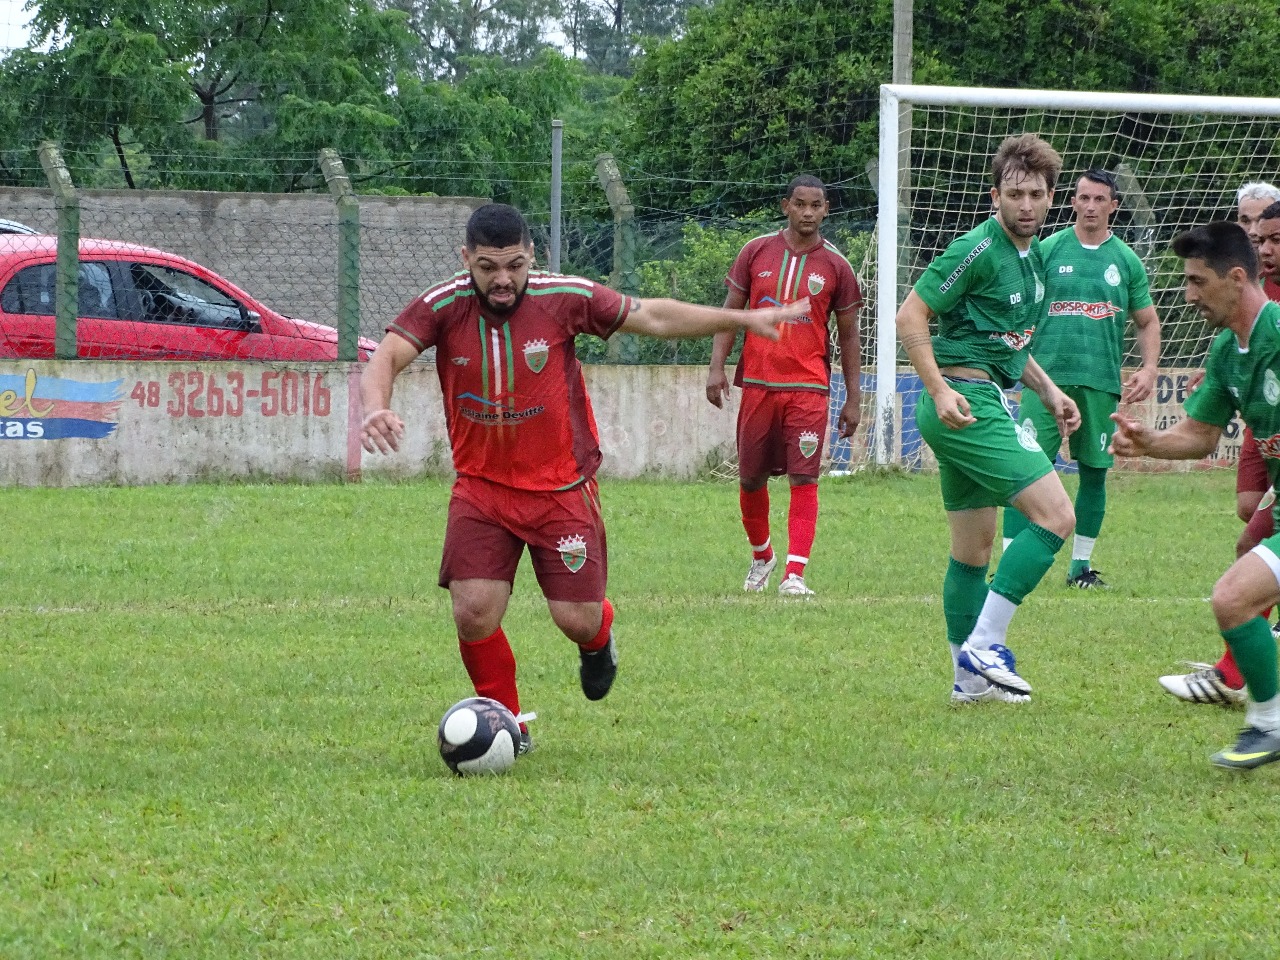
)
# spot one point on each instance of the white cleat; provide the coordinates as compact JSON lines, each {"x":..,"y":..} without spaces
{"x":990,"y":693}
{"x":758,"y":575}
{"x":793,"y":586}
{"x":1204,"y":684}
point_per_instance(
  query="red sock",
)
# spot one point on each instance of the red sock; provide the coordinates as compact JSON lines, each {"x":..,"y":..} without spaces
{"x":755,"y":520}
{"x":492,"y":668}
{"x":1231,"y":675}
{"x":802,"y":526}
{"x":606,"y":624}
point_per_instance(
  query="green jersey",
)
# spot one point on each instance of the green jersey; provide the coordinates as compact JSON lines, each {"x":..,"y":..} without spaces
{"x":1245,"y":380}
{"x":988,"y":296}
{"x":1091,"y":293}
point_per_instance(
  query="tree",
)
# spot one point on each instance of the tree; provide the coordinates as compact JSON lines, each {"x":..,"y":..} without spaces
{"x":141,"y":74}
{"x":452,"y":32}
{"x":609,"y":34}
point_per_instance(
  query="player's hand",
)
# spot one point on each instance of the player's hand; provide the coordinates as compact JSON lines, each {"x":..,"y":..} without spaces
{"x":1067,"y":414}
{"x":717,"y":387}
{"x":953,"y":409}
{"x":850,"y":417}
{"x":766,"y":322}
{"x":381,"y":432}
{"x":1197,"y":378}
{"x":1139,"y":385}
{"x":1130,"y":436}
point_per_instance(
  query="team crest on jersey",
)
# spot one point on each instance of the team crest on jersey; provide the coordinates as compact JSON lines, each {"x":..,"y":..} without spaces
{"x":1112,"y":275}
{"x":573,"y":551}
{"x":816,"y":282}
{"x":535,"y":354}
{"x":1039,"y":290}
{"x":1271,"y":388}
{"x":1027,"y":435}
{"x":808,"y":443}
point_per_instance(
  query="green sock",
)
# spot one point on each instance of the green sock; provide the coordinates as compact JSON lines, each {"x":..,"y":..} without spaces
{"x":1026,"y":562}
{"x":1091,"y":508}
{"x":1255,"y":651}
{"x":964,"y":591}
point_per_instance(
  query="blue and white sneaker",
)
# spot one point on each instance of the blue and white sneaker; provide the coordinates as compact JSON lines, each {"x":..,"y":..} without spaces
{"x":996,"y":664}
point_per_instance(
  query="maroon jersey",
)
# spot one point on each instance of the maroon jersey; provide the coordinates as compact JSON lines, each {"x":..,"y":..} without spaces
{"x":771,"y":274}
{"x":514,"y":398}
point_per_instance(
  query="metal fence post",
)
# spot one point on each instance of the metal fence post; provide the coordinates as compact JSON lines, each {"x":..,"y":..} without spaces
{"x":335,"y":176}
{"x":67,"y":277}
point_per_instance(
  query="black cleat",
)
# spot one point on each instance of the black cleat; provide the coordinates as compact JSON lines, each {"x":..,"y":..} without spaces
{"x":598,"y":670}
{"x":1087,"y":579}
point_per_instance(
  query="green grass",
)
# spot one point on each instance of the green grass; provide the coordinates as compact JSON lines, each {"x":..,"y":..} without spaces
{"x":218,"y":710}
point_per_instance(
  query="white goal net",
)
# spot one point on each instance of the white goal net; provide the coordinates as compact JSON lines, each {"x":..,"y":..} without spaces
{"x":1179,"y":161}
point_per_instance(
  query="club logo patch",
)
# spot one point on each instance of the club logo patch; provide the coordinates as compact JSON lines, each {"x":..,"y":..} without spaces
{"x":1271,"y":388}
{"x":808,"y":443}
{"x":1039,"y":290}
{"x":573,"y":551}
{"x":816,"y":282}
{"x":535,"y":354}
{"x":1112,"y":275}
{"x":1028,"y":436}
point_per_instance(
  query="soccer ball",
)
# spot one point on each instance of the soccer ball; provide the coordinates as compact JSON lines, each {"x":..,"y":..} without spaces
{"x":478,"y":735}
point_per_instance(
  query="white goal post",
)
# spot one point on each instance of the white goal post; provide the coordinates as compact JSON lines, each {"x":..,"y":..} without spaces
{"x":1179,"y":159}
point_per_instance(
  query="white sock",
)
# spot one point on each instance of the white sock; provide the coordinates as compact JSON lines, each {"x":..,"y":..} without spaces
{"x":993,"y":622}
{"x":1263,"y":716}
{"x":1082,"y":548}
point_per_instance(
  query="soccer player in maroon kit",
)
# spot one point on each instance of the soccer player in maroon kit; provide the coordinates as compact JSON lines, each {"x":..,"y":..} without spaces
{"x":782,"y":421}
{"x":524,"y":439}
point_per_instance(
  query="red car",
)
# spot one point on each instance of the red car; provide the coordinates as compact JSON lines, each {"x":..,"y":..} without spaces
{"x":136,"y":303}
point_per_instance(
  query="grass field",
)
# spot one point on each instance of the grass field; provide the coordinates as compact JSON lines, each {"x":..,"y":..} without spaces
{"x":217,"y":740}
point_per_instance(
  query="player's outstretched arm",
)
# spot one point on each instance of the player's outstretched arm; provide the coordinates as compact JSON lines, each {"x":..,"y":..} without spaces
{"x":672,"y":319}
{"x":1187,"y":439}
{"x":382,"y":428}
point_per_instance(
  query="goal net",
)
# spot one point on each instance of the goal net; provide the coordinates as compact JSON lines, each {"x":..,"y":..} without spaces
{"x":1179,"y":162}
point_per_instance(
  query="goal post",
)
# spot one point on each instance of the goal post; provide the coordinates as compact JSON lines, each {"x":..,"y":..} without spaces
{"x":1180,"y":160}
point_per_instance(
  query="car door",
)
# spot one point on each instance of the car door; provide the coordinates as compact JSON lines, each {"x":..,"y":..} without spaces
{"x":175,"y":315}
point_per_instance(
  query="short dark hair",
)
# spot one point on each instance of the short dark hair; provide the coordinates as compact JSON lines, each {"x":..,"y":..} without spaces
{"x":1104,"y":177}
{"x":805,"y":180}
{"x":497,"y":225}
{"x":1272,"y":212}
{"x":1221,"y":245}
{"x":1029,"y":155}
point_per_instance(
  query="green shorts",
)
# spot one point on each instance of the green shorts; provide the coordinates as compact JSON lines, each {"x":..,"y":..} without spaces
{"x":987,"y":463}
{"x":1088,"y":445}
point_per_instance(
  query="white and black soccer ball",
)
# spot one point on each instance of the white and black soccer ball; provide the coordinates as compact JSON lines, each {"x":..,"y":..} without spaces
{"x":479,"y":735}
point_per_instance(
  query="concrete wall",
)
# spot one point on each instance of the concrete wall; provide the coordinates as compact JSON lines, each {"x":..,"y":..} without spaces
{"x":280,"y":248}
{"x":71,"y":423}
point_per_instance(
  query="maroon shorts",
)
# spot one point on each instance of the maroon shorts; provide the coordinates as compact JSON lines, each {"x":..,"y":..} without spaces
{"x":490,"y":525}
{"x":1251,"y":469}
{"x":781,"y":431}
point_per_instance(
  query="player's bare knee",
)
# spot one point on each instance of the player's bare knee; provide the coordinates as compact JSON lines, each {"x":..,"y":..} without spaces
{"x":580,"y":622}
{"x":475,"y":620}
{"x":1230,"y":604}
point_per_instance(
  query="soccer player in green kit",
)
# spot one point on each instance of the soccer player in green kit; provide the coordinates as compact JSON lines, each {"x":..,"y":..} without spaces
{"x":987,"y":291}
{"x":1094,"y":284}
{"x":1242,"y":373}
